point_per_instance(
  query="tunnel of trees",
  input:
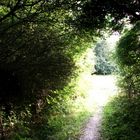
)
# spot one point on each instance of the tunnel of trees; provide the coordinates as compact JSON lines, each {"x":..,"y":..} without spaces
{"x":40,"y":41}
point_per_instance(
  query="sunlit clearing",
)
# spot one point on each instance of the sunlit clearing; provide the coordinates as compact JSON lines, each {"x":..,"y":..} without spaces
{"x":102,"y":89}
{"x":113,"y":39}
{"x":96,"y":90}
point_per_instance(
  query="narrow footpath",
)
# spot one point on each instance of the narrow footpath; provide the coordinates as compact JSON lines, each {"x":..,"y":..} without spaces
{"x":92,"y":129}
{"x":102,"y":90}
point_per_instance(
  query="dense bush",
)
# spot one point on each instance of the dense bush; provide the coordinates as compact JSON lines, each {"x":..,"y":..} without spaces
{"x":121,"y":119}
{"x":40,"y":70}
{"x":121,"y":115}
{"x":128,"y":59}
{"x":37,"y":50}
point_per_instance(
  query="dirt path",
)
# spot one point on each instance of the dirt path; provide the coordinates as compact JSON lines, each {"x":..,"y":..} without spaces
{"x":92,"y":129}
{"x":103,"y":88}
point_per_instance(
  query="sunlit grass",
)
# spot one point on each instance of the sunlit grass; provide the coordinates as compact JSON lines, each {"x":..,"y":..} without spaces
{"x":121,"y":119}
{"x":97,"y":89}
{"x":94,"y":91}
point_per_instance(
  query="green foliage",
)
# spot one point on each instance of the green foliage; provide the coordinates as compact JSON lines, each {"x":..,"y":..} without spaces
{"x":121,"y":119}
{"x":38,"y":51}
{"x":103,"y":63}
{"x":98,"y":14}
{"x":67,"y":112}
{"x":65,"y":119}
{"x":39,"y":46}
{"x":128,"y":59}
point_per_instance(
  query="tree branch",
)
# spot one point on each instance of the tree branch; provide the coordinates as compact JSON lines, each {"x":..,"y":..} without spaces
{"x":16,"y":7}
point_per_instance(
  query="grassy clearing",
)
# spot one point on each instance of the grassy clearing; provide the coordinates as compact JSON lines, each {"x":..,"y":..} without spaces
{"x":121,"y":119}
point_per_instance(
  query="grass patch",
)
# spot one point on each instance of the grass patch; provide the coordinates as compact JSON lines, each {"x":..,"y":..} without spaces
{"x":121,"y":119}
{"x":67,"y":127}
{"x":70,"y":114}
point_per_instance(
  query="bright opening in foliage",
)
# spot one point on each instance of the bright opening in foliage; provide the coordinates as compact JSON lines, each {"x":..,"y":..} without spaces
{"x":97,"y":89}
{"x":48,"y":86}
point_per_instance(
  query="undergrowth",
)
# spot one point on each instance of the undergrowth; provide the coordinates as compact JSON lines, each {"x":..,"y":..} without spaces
{"x":65,"y":113}
{"x":121,"y":119}
{"x":70,"y":112}
{"x":69,"y":115}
